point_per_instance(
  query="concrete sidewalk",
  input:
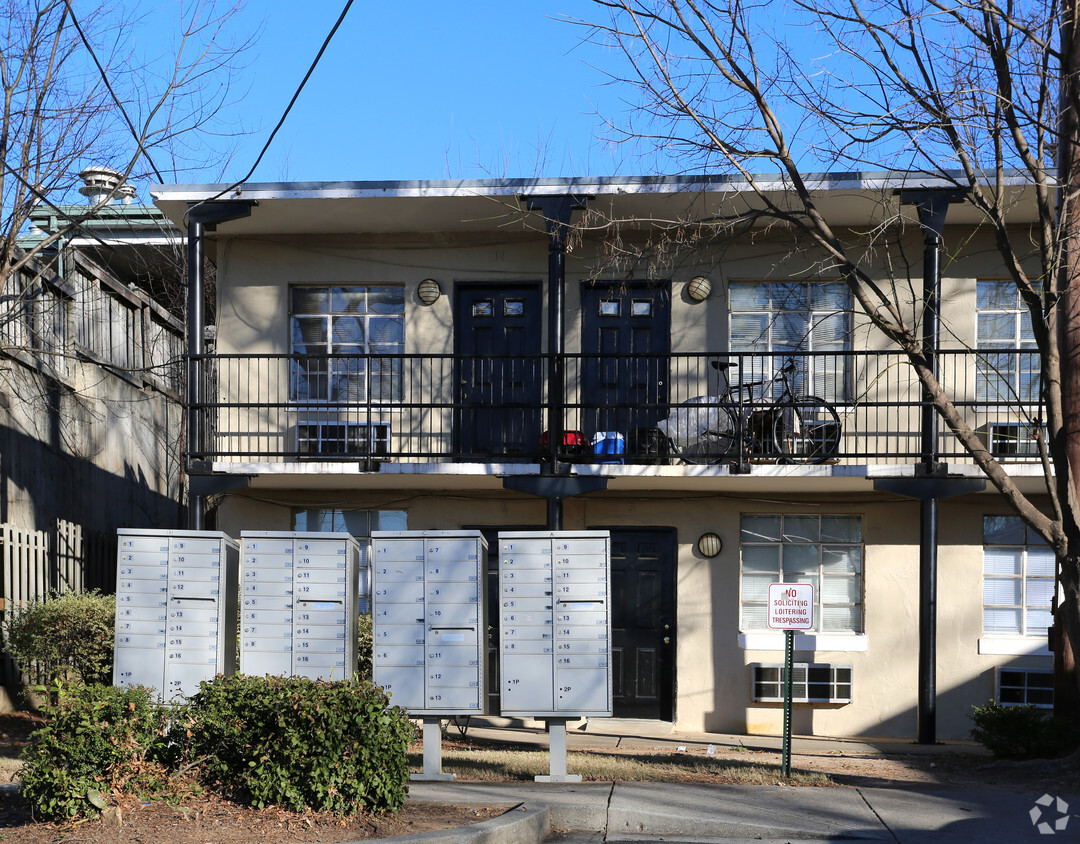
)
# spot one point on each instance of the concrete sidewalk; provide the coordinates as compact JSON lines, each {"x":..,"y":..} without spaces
{"x":636,"y":812}
{"x":591,"y":813}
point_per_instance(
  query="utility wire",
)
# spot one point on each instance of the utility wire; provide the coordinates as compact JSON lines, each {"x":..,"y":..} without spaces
{"x":285,"y":114}
{"x":112,"y":93}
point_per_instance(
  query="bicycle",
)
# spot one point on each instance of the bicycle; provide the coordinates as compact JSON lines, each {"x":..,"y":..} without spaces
{"x":791,"y":428}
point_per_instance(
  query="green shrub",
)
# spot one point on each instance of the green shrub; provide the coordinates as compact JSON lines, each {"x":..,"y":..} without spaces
{"x":294,"y":742}
{"x":96,"y":739}
{"x":365,"y":648}
{"x":65,"y":637}
{"x":1021,"y":732}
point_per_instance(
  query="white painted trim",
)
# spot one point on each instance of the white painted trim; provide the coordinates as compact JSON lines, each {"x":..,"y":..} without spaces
{"x":1013,"y":646}
{"x":833,"y":642}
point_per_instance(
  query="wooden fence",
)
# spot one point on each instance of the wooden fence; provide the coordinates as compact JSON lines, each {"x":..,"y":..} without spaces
{"x":34,"y":563}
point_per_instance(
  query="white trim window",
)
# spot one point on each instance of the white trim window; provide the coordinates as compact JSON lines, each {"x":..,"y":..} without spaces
{"x":357,"y":523}
{"x":1026,"y":687}
{"x":1004,"y":322}
{"x":355,"y":324}
{"x":810,"y":683}
{"x":778,"y":320}
{"x":824,"y":551}
{"x":1018,"y":578}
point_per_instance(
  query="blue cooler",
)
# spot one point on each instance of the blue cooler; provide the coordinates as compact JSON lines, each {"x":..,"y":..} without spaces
{"x":609,"y":447}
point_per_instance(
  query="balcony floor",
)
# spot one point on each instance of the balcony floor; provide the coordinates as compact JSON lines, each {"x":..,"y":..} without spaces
{"x":772,"y":478}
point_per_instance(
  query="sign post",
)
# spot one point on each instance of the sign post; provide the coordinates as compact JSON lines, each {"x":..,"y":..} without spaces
{"x":791,"y":608}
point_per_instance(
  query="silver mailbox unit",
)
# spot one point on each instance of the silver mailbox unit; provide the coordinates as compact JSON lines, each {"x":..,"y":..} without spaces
{"x":300,"y":596}
{"x":555,"y":623}
{"x":176,"y":605}
{"x":429,"y":620}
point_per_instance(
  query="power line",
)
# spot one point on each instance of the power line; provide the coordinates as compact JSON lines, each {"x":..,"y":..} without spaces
{"x":288,"y":108}
{"x":112,"y":93}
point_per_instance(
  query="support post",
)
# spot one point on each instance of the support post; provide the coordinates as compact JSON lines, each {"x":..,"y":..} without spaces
{"x":932,"y":206}
{"x":927,"y":713}
{"x":556,"y":210}
{"x":557,"y":754}
{"x":432,"y":738}
{"x":201,"y":217}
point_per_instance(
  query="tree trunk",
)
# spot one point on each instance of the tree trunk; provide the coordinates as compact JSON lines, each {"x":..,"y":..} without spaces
{"x":1067,"y":618}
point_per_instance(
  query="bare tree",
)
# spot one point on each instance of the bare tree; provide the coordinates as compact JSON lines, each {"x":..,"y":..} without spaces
{"x":980,"y":93}
{"x":78,"y":92}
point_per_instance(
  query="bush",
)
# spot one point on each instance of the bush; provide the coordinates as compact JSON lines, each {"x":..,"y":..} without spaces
{"x":1022,"y":732}
{"x":294,"y":742}
{"x":96,"y":739}
{"x":65,"y":637}
{"x":365,"y":648}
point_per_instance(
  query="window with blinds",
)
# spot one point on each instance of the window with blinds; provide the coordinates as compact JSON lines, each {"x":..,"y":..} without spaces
{"x":1018,"y":578}
{"x":807,"y":321}
{"x":825,"y":551}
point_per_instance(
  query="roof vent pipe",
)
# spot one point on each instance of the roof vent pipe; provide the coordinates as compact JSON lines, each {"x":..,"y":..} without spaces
{"x":98,"y":183}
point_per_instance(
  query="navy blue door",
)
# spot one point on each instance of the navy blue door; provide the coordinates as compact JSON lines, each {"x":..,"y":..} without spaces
{"x":626,"y":339}
{"x":499,"y":375}
{"x":643,"y":622}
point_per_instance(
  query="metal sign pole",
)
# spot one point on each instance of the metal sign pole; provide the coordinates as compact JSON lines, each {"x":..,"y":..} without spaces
{"x":789,"y":669}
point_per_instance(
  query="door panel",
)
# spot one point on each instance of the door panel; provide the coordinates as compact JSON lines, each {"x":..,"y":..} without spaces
{"x":498,"y":376}
{"x":627,"y":327}
{"x":643,"y":628}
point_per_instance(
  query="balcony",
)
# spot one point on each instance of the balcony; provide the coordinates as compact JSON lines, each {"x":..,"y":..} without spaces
{"x":495,"y":410}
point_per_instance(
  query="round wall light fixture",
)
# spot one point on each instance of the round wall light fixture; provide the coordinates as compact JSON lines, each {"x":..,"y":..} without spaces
{"x":699,"y":288}
{"x":709,"y":544}
{"x":428,"y":291}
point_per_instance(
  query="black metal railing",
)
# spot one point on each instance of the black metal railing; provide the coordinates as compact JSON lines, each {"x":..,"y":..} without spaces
{"x":451,"y":408}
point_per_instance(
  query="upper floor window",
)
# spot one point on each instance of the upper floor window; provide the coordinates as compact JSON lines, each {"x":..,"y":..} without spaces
{"x":778,"y":320}
{"x":824,"y":551}
{"x":1018,"y":578}
{"x":1004,"y":322}
{"x":354,"y":325}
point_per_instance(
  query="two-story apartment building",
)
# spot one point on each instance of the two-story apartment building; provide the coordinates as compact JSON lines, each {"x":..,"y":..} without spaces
{"x":397,"y":354}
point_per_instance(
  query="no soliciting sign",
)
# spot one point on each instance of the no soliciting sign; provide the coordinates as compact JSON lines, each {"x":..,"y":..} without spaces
{"x":791,"y":606}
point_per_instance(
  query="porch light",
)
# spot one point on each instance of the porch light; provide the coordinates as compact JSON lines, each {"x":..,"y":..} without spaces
{"x":429,"y":291}
{"x":709,"y":545}
{"x":699,"y":288}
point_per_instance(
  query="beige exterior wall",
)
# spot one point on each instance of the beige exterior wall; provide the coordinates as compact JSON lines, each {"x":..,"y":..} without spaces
{"x":713,"y":657}
{"x":713,"y":675}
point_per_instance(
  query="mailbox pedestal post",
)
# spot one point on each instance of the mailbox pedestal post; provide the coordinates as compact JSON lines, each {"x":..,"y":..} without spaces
{"x":433,"y":771}
{"x":557,"y":754}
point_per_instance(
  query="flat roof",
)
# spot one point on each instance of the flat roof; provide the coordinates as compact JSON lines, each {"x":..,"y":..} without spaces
{"x":449,"y":205}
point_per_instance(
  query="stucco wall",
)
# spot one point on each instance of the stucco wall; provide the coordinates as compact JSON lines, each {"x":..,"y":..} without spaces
{"x":712,"y":667}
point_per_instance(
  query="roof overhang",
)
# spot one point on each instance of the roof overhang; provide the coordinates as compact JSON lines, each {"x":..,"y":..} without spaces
{"x":492,"y":205}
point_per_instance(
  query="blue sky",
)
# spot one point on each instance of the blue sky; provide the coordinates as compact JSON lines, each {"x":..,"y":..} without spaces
{"x":427,"y":89}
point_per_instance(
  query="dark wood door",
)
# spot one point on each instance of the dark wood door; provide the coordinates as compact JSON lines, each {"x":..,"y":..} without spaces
{"x":626,"y":338}
{"x":643,"y":628}
{"x":499,"y":374}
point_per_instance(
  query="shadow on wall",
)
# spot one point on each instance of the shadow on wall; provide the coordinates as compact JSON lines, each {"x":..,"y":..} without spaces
{"x":42,"y":481}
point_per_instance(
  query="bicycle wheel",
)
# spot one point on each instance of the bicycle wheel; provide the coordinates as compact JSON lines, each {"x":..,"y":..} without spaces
{"x":806,"y":430}
{"x":709,"y":442}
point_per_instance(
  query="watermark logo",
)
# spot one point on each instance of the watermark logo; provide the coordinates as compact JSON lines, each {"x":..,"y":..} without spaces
{"x":1049,"y":815}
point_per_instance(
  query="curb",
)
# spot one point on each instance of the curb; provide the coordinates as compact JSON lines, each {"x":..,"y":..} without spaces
{"x":517,"y":825}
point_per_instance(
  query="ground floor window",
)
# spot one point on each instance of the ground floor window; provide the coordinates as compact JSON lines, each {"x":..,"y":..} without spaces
{"x":1018,"y":578}
{"x":1026,"y":687}
{"x":359,"y":523}
{"x":824,"y":551}
{"x":809,"y":683}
